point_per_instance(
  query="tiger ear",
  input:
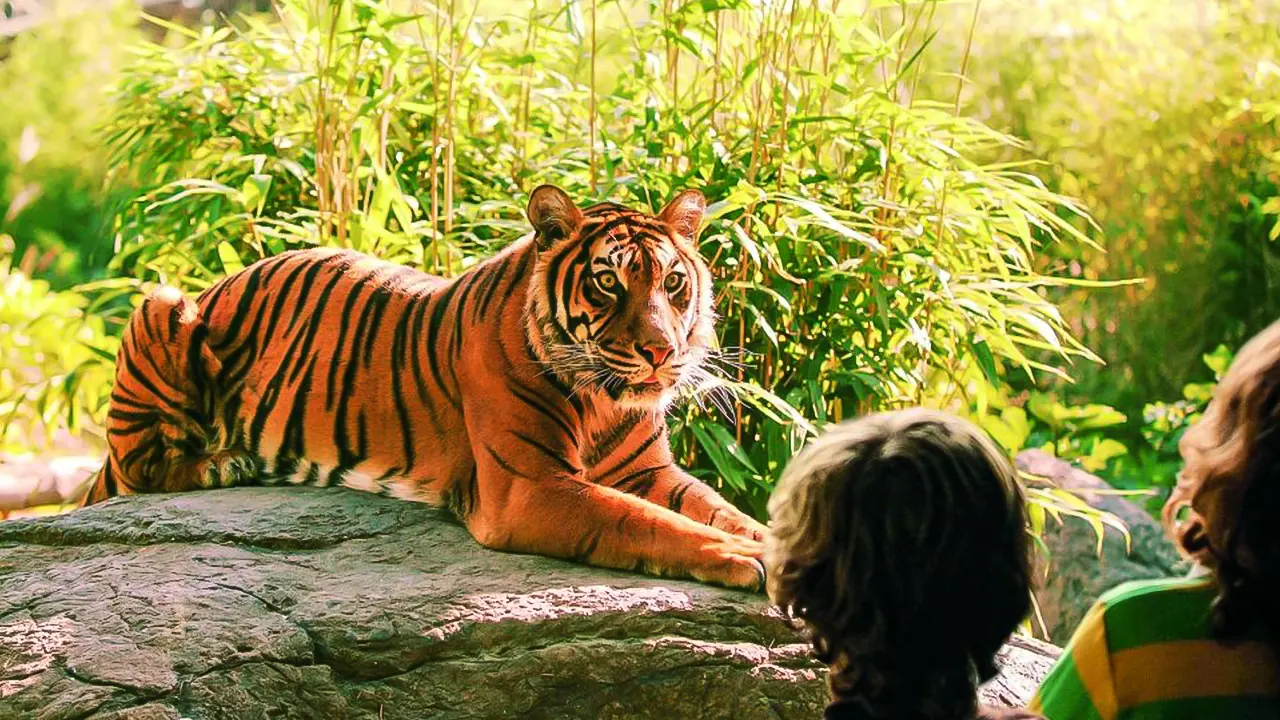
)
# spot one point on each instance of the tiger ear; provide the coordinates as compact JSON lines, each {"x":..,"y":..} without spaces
{"x":553,"y":215}
{"x":684,"y":213}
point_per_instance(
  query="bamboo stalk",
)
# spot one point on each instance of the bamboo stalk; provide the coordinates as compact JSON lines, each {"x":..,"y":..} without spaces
{"x":672,"y":77}
{"x":964,"y":67}
{"x":784,"y":143}
{"x":715,"y":78}
{"x":449,"y":129}
{"x":435,"y":146}
{"x":522,"y":129}
{"x":592,"y":110}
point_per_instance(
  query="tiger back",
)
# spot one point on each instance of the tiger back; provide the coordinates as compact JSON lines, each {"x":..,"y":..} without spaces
{"x":528,"y":395}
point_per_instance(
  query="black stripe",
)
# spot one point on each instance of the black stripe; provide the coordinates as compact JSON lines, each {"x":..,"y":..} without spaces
{"x":455,"y":339}
{"x":293,"y":443}
{"x":252,"y":342}
{"x":127,"y":430}
{"x":631,"y":457}
{"x":590,"y":234}
{"x":463,"y":498}
{"x":175,"y":313}
{"x":442,"y":301}
{"x":362,"y":434}
{"x":118,"y":398}
{"x":210,"y":298}
{"x":148,"y":307}
{"x":397,"y":392}
{"x":555,"y":270}
{"x":550,"y":453}
{"x":419,"y":312}
{"x":602,"y":446}
{"x":565,"y":391}
{"x":283,"y":294}
{"x":587,"y":546}
{"x":146,"y":354}
{"x":313,"y":269}
{"x":516,"y":277}
{"x":344,"y":322}
{"x":109,"y":480}
{"x":675,"y":496}
{"x":131,"y":371}
{"x":248,"y":299}
{"x":491,"y":275}
{"x":378,"y":302}
{"x":530,"y":398}
{"x":569,"y":277}
{"x":267,"y":403}
{"x":301,"y":348}
{"x":146,"y":449}
{"x":639,"y":482}
{"x":117,"y":414}
{"x":195,"y":364}
{"x":502,"y":463}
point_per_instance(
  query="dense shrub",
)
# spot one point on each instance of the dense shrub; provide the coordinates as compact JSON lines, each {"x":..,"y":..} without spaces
{"x":52,"y":350}
{"x":865,"y":257}
{"x":53,"y":88}
{"x":1161,"y":116}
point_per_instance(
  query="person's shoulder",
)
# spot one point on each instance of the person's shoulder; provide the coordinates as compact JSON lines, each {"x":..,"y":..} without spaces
{"x":1153,"y":612}
{"x":991,"y":713}
{"x":1160,"y":590}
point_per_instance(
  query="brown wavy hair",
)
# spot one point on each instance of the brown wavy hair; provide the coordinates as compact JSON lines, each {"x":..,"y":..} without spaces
{"x":1224,"y":510}
{"x":900,"y":541}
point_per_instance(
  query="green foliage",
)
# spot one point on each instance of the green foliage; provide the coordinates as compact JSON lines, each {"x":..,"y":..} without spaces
{"x":52,"y":368}
{"x":1161,"y":116}
{"x":865,"y":258}
{"x":51,"y":161}
{"x":1097,"y":437}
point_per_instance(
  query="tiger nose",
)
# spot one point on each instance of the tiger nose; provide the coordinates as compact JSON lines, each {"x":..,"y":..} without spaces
{"x":655,"y":354}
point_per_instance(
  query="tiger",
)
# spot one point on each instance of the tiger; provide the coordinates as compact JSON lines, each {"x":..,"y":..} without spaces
{"x":527,"y":395}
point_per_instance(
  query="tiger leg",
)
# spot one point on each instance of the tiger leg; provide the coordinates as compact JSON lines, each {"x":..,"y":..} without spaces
{"x":678,"y":491}
{"x":163,"y":433}
{"x":600,"y":526}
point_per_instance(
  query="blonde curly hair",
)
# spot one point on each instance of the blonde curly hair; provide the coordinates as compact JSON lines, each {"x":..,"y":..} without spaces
{"x":1223,"y":511}
{"x":900,"y":541}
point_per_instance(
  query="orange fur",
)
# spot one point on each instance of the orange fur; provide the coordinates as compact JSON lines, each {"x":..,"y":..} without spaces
{"x":527,"y":395}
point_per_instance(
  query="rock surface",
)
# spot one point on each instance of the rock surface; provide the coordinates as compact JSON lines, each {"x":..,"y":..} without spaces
{"x":1077,"y":575}
{"x":328,"y":603}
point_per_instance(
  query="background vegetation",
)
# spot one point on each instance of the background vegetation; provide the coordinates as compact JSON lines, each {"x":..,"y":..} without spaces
{"x":926,"y":202}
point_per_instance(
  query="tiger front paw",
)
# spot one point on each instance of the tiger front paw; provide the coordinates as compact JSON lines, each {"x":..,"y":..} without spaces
{"x":737,"y":523}
{"x":227,"y":469}
{"x":738,"y":564}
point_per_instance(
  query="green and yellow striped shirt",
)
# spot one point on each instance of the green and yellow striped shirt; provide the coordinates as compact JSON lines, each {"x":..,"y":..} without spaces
{"x":1145,"y":652}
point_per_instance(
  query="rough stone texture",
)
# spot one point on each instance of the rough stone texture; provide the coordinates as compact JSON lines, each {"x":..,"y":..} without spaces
{"x":1076,"y":574}
{"x":313,"y":603}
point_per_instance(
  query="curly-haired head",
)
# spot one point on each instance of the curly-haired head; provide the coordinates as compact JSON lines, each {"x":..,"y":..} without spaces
{"x":1223,"y":511}
{"x":900,"y":540}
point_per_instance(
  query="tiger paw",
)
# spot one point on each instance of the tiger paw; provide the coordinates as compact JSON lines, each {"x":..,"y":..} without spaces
{"x":737,"y":523}
{"x":739,"y":564}
{"x":226,"y":469}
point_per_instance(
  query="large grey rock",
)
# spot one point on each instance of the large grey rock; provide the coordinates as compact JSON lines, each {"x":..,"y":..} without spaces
{"x":1076,"y":574}
{"x":310,"y":603}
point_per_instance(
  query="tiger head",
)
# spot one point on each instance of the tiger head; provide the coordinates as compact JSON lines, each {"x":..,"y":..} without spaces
{"x":621,"y":302}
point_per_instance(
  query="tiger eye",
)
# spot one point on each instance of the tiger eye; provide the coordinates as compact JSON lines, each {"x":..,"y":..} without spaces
{"x":607,"y":280}
{"x":673,"y":282}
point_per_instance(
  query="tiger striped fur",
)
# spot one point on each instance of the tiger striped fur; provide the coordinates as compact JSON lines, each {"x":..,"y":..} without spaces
{"x":528,"y":395}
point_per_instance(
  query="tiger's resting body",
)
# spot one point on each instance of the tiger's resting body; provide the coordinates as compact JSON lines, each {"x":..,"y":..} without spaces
{"x":527,"y":395}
